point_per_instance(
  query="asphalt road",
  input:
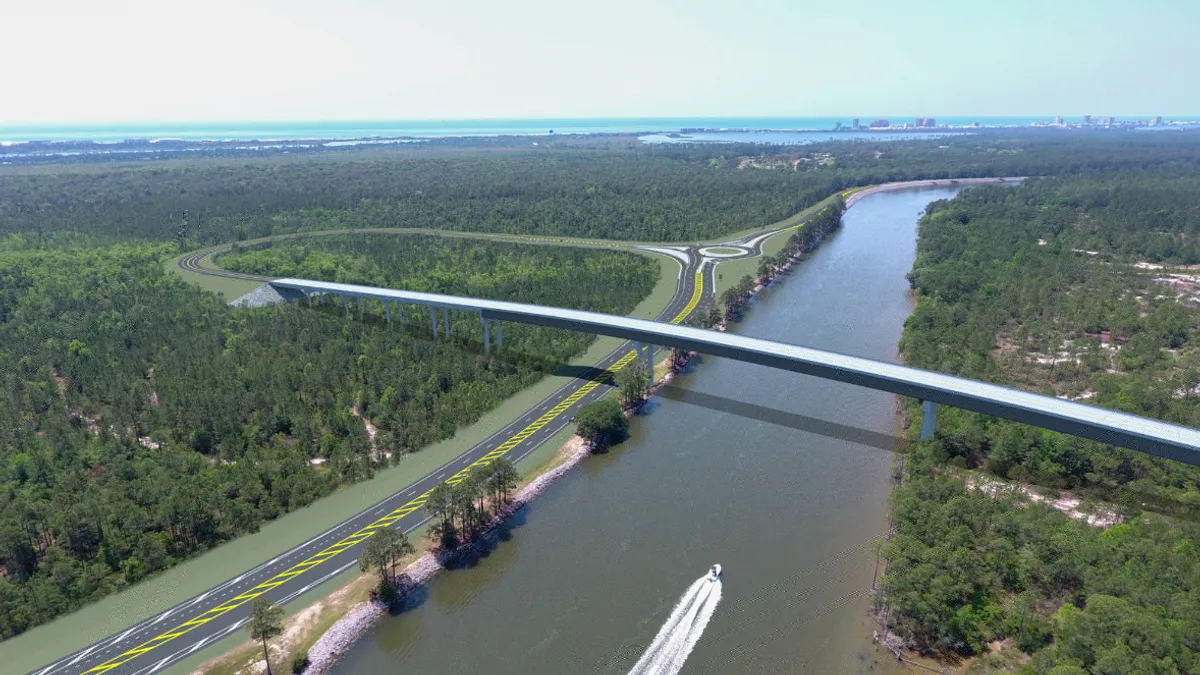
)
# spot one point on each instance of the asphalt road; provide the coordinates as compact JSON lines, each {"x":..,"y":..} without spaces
{"x":180,"y":631}
{"x":172,"y":635}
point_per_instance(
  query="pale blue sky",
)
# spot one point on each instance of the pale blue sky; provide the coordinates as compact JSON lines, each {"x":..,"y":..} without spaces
{"x":160,"y":60}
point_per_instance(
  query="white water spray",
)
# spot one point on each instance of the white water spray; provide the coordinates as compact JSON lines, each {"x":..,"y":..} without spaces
{"x":677,"y":637}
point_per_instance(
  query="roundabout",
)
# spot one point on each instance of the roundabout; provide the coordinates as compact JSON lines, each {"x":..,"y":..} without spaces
{"x":725,"y":252}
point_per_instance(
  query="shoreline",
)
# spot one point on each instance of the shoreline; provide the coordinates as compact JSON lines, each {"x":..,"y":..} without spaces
{"x":325,"y":653}
{"x":342,"y":635}
{"x":361,"y":617}
{"x":853,"y":198}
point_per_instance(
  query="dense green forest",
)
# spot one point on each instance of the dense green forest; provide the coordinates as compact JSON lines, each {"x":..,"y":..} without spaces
{"x":145,"y":421}
{"x":966,"y":569}
{"x":671,"y":192}
{"x":1048,"y":286}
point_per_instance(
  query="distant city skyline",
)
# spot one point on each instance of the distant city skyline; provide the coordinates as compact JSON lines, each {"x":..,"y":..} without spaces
{"x":137,"y":61}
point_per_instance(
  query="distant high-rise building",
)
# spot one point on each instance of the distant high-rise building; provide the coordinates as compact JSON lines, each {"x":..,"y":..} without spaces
{"x":854,"y":123}
{"x":930,"y":121}
{"x":837,"y":126}
{"x":880,"y":123}
{"x":920,"y":122}
{"x":975,"y":124}
{"x":1108,"y":121}
{"x":1158,"y":121}
{"x":1087,"y":119}
{"x":1058,"y":120}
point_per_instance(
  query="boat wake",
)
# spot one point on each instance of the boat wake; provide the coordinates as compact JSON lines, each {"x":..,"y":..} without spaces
{"x":677,"y":637}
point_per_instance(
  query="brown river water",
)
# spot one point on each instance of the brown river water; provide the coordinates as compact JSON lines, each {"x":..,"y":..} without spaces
{"x":781,"y":478}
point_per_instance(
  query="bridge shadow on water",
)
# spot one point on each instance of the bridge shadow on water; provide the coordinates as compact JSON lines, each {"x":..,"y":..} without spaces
{"x":466,"y":556}
{"x":783,"y":418}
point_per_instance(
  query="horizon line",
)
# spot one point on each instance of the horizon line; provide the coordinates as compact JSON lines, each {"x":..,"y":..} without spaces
{"x":531,"y":119}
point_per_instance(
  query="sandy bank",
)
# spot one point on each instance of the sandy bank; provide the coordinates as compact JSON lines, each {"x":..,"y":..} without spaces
{"x":940,"y":182}
{"x":343,"y":634}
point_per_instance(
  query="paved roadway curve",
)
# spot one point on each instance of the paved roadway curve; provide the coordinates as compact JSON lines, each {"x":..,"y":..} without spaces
{"x":169,"y":636}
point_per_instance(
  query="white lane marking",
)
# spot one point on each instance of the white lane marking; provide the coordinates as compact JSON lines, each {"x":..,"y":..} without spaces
{"x":678,"y":255}
{"x":165,"y":614}
{"x":161,"y":664}
{"x":200,"y":643}
{"x":83,"y":654}
{"x":184,"y":652}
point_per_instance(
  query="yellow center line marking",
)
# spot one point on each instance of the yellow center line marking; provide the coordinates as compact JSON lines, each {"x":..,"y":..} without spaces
{"x":389,"y":519}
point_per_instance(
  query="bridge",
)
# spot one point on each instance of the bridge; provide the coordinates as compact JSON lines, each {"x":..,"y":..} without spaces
{"x":170,"y":634}
{"x":1154,"y":437}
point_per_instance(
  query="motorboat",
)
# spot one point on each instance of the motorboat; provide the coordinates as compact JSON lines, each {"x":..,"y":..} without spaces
{"x":714,"y":573}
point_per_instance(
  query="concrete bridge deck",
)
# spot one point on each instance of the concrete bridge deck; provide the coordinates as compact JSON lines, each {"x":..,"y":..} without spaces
{"x":1154,"y":437}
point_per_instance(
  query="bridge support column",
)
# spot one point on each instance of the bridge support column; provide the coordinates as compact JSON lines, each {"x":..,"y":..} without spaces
{"x":928,"y":418}
{"x":309,"y":299}
{"x":346,"y":303}
{"x":433,"y":320}
{"x":387,"y":312}
{"x":499,"y":335}
{"x":360,"y":311}
{"x":487,"y":335}
{"x":446,"y":317}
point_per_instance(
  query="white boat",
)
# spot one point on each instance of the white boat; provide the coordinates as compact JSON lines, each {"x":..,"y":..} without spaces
{"x":714,"y":573}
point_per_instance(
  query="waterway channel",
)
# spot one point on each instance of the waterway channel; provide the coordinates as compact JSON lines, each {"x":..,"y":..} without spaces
{"x":781,"y":478}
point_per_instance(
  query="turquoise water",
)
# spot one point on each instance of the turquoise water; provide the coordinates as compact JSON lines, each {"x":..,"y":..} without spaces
{"x":218,"y":131}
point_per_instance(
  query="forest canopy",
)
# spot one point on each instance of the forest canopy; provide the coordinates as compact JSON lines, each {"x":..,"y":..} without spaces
{"x":144,"y":421}
{"x":673,"y":192}
{"x":1076,"y":287}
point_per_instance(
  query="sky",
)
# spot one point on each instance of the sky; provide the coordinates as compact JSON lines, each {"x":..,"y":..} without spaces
{"x":82,"y":61}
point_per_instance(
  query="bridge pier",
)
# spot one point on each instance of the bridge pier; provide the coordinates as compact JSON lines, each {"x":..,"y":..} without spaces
{"x":928,"y":418}
{"x":309,"y":299}
{"x":387,"y":312}
{"x":358,"y":301}
{"x":1111,"y":427}
{"x":487,"y":336}
{"x":499,"y":336}
{"x":346,"y":303}
{"x":446,"y":318}
{"x":433,"y":320}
